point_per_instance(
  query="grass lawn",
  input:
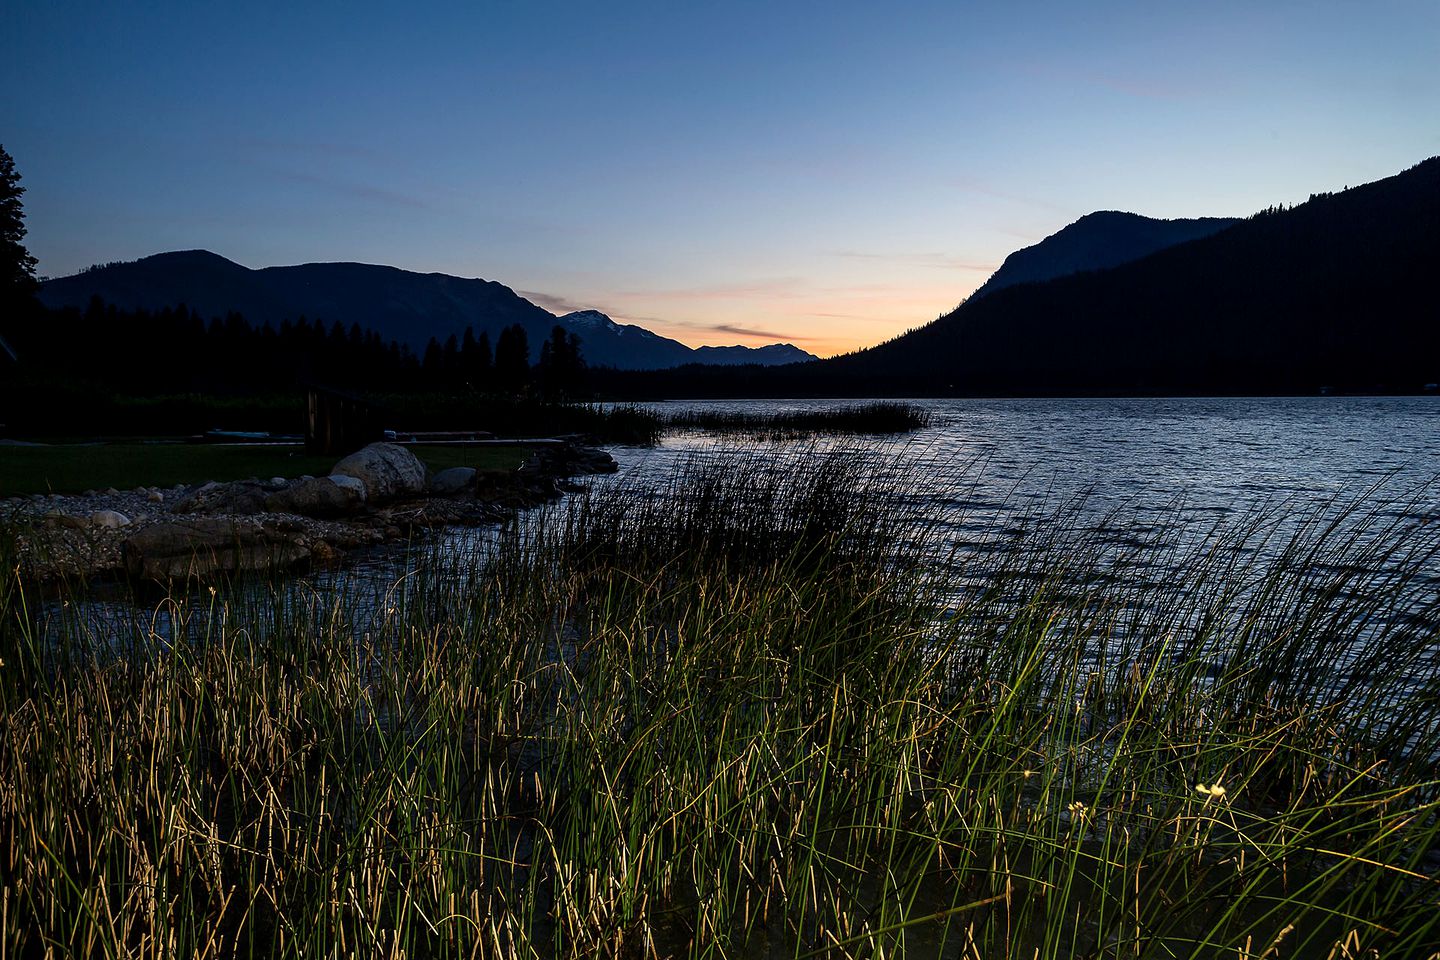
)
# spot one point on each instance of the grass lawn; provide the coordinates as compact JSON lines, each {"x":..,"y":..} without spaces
{"x":71,"y":468}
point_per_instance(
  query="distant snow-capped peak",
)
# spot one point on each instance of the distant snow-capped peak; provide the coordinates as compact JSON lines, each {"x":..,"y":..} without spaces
{"x":590,"y":318}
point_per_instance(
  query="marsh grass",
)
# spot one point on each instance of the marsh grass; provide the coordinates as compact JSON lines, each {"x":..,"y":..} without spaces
{"x":885,"y":417}
{"x":748,"y":715}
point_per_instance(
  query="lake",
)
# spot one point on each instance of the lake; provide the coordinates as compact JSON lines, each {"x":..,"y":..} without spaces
{"x":1140,"y":469}
{"x":1218,"y":455}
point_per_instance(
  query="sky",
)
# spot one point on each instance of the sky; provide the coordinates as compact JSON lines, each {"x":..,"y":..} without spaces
{"x":825,"y":174}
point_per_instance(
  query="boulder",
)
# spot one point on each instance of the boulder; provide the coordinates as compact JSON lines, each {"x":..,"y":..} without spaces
{"x":568,"y":461}
{"x":334,"y":496}
{"x":388,"y":470}
{"x":59,"y":518}
{"x":448,"y":483}
{"x":109,"y":519}
{"x":591,"y":460}
{"x":240,"y":496}
{"x":209,"y":545}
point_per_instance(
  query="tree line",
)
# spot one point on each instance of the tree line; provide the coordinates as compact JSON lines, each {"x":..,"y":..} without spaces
{"x":175,"y":350}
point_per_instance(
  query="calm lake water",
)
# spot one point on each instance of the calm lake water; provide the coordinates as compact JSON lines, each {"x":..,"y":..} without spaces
{"x":1211,"y":455}
{"x":1140,"y":468}
{"x":1152,"y":482}
{"x":1149,"y":465}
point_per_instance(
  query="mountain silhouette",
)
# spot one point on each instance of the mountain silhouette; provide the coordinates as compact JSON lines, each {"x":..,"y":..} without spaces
{"x":771,"y":355}
{"x":399,"y":305}
{"x":1337,"y":292}
{"x":626,"y":346}
{"x":1097,"y":241}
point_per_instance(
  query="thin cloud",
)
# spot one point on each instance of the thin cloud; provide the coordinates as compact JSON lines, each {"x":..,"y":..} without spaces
{"x":851,"y":316}
{"x":563,"y":305}
{"x":974,"y":185}
{"x":754,"y":334}
{"x":363,"y":191}
{"x":777,"y":288}
{"x":938,"y":260}
{"x":636,"y":318}
{"x":311,"y":147}
{"x":553,"y":303}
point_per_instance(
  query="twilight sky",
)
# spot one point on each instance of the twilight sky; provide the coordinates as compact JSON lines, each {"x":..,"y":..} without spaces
{"x":826,"y":173}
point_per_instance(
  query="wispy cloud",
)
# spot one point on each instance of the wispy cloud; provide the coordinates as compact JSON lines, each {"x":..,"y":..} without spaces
{"x":363,"y":191}
{"x":850,"y":316}
{"x":563,"y":305}
{"x":553,"y":303}
{"x":975,"y":185}
{"x":773,"y":288}
{"x":753,"y":334}
{"x":681,"y":327}
{"x":310,"y":148}
{"x":643,"y":320}
{"x":941,"y":261}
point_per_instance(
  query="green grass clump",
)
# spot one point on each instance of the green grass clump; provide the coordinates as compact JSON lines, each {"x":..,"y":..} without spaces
{"x":748,"y":715}
{"x":868,"y":418}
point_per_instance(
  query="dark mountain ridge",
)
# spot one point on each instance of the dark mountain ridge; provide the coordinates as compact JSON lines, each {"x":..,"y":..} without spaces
{"x":1097,"y":241}
{"x":399,"y":305}
{"x":628,"y":340}
{"x":773,"y":354}
{"x":1333,"y":293}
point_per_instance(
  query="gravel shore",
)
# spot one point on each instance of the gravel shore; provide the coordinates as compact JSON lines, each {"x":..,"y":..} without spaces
{"x":88,"y":535}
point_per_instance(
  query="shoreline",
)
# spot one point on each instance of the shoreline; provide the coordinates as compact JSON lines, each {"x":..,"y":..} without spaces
{"x":201,"y":529}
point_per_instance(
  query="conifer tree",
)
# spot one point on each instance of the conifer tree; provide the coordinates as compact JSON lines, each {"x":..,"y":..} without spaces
{"x":512,"y":358}
{"x":17,"y":267}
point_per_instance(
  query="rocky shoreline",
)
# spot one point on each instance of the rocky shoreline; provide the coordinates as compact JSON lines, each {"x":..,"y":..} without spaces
{"x":380,"y":495}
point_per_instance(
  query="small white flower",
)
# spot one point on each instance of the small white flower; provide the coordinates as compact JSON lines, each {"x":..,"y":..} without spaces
{"x":1212,"y":791}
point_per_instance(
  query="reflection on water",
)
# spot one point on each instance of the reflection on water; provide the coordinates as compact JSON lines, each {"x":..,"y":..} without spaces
{"x":1141,"y":471}
{"x":1212,"y":455}
{"x":1146,"y":477}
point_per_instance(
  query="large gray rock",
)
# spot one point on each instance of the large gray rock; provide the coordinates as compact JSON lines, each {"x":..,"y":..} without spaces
{"x":334,"y":496}
{"x":209,"y":545}
{"x":591,"y":460}
{"x":448,"y":483}
{"x":240,"y":496}
{"x":109,"y":519}
{"x":388,"y":471}
{"x":568,"y":461}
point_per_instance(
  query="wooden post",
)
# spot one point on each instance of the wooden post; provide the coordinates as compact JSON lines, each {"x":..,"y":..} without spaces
{"x":338,"y":423}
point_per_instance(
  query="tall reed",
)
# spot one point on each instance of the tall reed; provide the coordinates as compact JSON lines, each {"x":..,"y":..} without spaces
{"x":881,"y":417}
{"x":748,"y":714}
